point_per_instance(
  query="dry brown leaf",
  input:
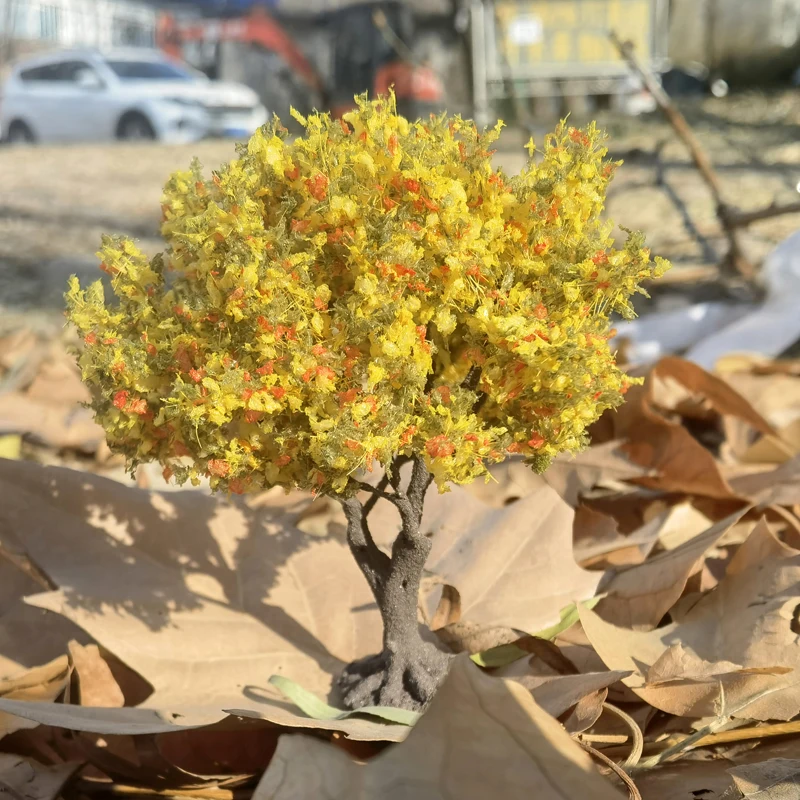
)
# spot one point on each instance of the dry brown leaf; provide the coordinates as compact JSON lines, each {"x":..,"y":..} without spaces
{"x":651,"y":421}
{"x":511,"y":480}
{"x":682,"y":386}
{"x":748,"y":621}
{"x":471,"y":638}
{"x":448,"y":612}
{"x":573,"y":476}
{"x":640,"y":596}
{"x":481,"y":737}
{"x":19,"y":650}
{"x":96,"y":683}
{"x":708,"y":779}
{"x":775,"y":396}
{"x":776,"y":487}
{"x":242,"y":748}
{"x":204,"y":599}
{"x":679,"y":461}
{"x":40,"y":684}
{"x":776,"y":779}
{"x":17,"y":347}
{"x":585,"y":713}
{"x":58,"y":380}
{"x":582,"y":695}
{"x":25,"y":779}
{"x":513,"y":566}
{"x":682,"y":522}
{"x":61,"y":426}
{"x":596,"y":544}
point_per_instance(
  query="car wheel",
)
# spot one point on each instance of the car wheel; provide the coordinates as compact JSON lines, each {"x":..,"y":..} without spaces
{"x":135,"y":127}
{"x":19,"y":133}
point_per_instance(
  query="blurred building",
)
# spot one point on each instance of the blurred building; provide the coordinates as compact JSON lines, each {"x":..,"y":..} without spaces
{"x":29,"y":25}
{"x":743,"y":41}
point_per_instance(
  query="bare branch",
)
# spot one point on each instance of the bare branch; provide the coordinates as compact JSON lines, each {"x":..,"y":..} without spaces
{"x":370,"y":504}
{"x":377,"y":491}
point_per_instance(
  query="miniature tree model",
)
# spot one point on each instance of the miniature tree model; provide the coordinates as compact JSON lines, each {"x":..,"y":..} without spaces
{"x":370,"y":294}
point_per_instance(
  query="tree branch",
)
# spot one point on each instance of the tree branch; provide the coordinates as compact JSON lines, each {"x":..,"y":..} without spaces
{"x":419,"y":483}
{"x":374,"y":563}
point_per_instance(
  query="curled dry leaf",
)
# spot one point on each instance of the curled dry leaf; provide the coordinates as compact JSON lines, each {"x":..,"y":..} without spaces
{"x":96,"y":683}
{"x":25,"y":779}
{"x":39,"y":685}
{"x":598,"y":543}
{"x":481,"y":737}
{"x":776,"y":487}
{"x":448,"y":612}
{"x":656,"y":419}
{"x":577,"y":700}
{"x":640,"y":596}
{"x":574,"y":475}
{"x":471,"y":638}
{"x":741,"y":636}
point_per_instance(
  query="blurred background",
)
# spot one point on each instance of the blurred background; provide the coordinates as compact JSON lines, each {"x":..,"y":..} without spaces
{"x":102,"y":99}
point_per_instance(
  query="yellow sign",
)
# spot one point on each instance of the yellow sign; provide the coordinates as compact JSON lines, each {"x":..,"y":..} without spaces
{"x":575,"y":32}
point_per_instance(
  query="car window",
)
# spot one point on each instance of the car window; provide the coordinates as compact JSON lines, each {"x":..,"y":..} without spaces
{"x":149,"y":71}
{"x":60,"y":72}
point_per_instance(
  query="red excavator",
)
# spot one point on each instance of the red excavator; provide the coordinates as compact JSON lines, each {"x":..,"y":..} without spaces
{"x":369,"y":47}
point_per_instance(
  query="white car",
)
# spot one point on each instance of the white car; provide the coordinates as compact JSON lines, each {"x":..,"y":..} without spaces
{"x":88,"y":95}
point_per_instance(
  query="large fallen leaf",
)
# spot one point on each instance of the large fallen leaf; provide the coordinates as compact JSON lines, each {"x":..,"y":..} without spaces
{"x":640,"y":596}
{"x":776,"y":779}
{"x":513,"y":566}
{"x":748,"y":623}
{"x":481,"y":737}
{"x":511,"y":561}
{"x":24,"y":779}
{"x":204,"y":599}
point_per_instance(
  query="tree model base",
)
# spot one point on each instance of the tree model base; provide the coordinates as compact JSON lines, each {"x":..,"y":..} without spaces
{"x":405,"y":679}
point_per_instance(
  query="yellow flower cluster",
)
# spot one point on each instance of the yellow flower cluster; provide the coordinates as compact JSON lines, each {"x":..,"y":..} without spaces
{"x":370,"y":289}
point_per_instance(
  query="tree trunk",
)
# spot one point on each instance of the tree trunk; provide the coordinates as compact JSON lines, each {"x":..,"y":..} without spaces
{"x":407,"y":672}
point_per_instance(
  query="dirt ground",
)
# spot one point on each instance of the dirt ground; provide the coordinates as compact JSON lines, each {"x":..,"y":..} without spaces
{"x":55,"y":202}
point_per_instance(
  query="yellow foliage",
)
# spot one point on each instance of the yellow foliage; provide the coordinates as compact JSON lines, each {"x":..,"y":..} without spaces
{"x":372,"y":288}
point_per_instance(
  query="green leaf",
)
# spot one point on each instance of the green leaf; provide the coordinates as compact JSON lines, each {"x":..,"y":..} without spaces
{"x":499,"y":656}
{"x":569,"y":616}
{"x":507,"y":653}
{"x":315,"y":708}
